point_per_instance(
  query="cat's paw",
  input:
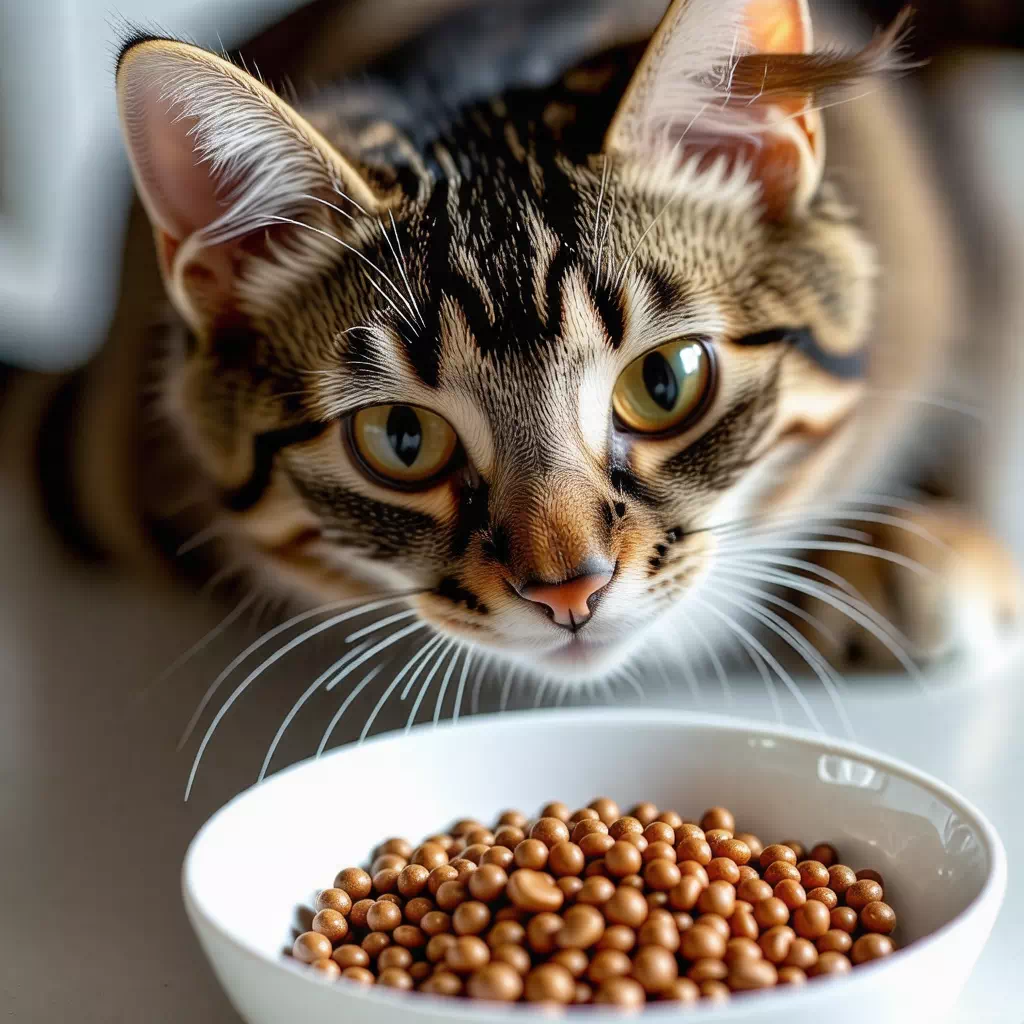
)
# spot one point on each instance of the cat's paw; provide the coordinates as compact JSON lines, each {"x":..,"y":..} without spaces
{"x":945,"y":590}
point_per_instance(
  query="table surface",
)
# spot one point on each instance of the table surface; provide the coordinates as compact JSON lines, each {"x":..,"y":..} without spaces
{"x":93,"y":826}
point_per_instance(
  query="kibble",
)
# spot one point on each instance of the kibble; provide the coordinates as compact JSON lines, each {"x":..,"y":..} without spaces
{"x":590,"y":905}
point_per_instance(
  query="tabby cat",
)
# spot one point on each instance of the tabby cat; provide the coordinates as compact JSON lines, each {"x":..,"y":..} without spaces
{"x":563,"y":337}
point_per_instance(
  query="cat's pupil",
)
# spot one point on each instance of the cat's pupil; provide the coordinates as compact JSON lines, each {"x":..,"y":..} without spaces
{"x":405,"y":434}
{"x":660,"y":381}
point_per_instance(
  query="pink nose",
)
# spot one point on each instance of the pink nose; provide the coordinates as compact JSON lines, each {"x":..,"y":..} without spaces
{"x":571,"y":602}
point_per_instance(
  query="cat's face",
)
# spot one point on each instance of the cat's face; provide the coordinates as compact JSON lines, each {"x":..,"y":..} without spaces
{"x":528,"y":393}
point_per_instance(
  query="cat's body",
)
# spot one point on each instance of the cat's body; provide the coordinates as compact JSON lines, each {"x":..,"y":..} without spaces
{"x":509,"y":279}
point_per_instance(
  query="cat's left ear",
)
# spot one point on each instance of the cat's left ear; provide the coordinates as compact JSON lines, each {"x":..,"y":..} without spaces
{"x":222,"y":166}
{"x":738,"y":80}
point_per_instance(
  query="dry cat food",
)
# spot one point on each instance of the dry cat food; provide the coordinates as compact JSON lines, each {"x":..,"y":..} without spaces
{"x":593,"y":906}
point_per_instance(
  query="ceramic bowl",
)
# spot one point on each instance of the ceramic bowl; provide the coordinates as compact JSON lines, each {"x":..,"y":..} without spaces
{"x":263,"y":856}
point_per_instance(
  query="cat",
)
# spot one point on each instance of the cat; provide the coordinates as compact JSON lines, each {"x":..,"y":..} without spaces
{"x":552,"y":341}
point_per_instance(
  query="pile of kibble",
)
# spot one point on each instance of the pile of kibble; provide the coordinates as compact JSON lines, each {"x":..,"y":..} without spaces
{"x":591,"y":906}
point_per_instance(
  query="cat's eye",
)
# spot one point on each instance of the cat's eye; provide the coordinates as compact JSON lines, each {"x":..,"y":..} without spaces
{"x":404,"y":445}
{"x":665,"y":389}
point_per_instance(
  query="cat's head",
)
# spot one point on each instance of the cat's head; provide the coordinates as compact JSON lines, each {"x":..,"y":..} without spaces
{"x":524,"y":381}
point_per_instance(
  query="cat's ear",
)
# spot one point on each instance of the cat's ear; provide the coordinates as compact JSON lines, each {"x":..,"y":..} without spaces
{"x":739,"y":80}
{"x":220,"y":163}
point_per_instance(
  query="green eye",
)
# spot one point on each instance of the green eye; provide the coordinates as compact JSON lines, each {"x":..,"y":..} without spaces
{"x":663,"y":389}
{"x":403,"y":444}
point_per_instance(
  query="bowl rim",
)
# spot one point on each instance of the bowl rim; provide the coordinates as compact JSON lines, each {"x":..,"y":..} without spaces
{"x":991,"y":893}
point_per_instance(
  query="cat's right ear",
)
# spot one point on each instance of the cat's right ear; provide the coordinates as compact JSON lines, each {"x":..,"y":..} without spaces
{"x":220,"y":163}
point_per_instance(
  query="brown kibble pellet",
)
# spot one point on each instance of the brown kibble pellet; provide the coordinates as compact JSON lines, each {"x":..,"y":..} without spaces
{"x":655,"y":968}
{"x":531,"y":854}
{"x":310,"y":946}
{"x":834,"y":940}
{"x":608,"y":963}
{"x":517,"y":957}
{"x":685,"y":894}
{"x":438,"y":946}
{"x":487,"y":883}
{"x":328,"y":968}
{"x":556,"y":809}
{"x":582,"y":814}
{"x":871,"y":947}
{"x":792,"y":976}
{"x":743,"y":925}
{"x":375,"y":943}
{"x":565,"y":858}
{"x":627,"y":906}
{"x":747,"y":873}
{"x":644,"y":812}
{"x":471,"y":855}
{"x":718,"y":898}
{"x":724,"y":869}
{"x":830,"y":963}
{"x":400,"y":847}
{"x":840,"y":878}
{"x":356,"y":882}
{"x":575,"y":961}
{"x":464,"y":826}
{"x":479,"y":837}
{"x":596,"y":891}
{"x":623,"y":992}
{"x":508,"y":836}
{"x":662,"y":875}
{"x":550,"y":831}
{"x":607,"y":810}
{"x":780,"y":871}
{"x":430,"y":855}
{"x":771,"y":912}
{"x":357,"y":915}
{"x":717,"y":922}
{"x":625,"y":826}
{"x":442,"y":983}
{"x":658,"y":931}
{"x":860,"y":894}
{"x":791,"y":893}
{"x":471,"y":918}
{"x":812,"y":920}
{"x":682,"y":990}
{"x":748,"y":975}
{"x":824,"y":895}
{"x":534,"y":891}
{"x":582,"y":927}
{"x":825,"y":853}
{"x":412,"y":880}
{"x":394,"y":956}
{"x":383,"y":916}
{"x":802,"y":954}
{"x":595,"y":845}
{"x":660,"y":832}
{"x":876,"y":916}
{"x":541,"y":931}
{"x":441,"y":874}
{"x":388,"y":861}
{"x":707,"y":969}
{"x":635,"y":839}
{"x":813,"y":874}
{"x":692,"y":848}
{"x":700,"y":941}
{"x":389,"y":897}
{"x":451,"y":894}
{"x":395,"y":977}
{"x":513,"y":817}
{"x":409,"y":936}
{"x":506,"y":932}
{"x":716,"y":838}
{"x":770,"y":854}
{"x":659,"y":851}
{"x":714,"y":991}
{"x":844,"y":918}
{"x":753,"y":844}
{"x":436,"y":922}
{"x":586,"y":827}
{"x":358,"y":974}
{"x":623,"y":859}
{"x":754,"y":890}
{"x":467,"y":954}
{"x":334,"y":926}
{"x":500,"y":856}
{"x":870,"y":875}
{"x":797,"y":847}
{"x":351,"y":956}
{"x":618,"y":936}
{"x":735,"y":850}
{"x":442,"y":839}
{"x":420,"y":971}
{"x":776,"y":943}
{"x":718,"y":817}
{"x":334,"y":899}
{"x":691,"y":867}
{"x":742,"y":948}
{"x":688,"y":830}
{"x":497,"y":982}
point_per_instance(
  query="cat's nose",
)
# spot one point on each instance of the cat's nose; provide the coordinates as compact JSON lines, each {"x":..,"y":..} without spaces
{"x":571,"y":602}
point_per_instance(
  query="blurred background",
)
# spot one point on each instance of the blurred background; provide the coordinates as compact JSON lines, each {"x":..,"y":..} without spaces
{"x":92,"y":824}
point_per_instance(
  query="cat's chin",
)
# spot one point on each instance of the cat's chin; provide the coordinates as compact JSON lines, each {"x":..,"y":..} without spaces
{"x":581,"y":659}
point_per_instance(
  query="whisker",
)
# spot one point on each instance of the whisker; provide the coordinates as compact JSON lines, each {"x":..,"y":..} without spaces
{"x":506,"y":689}
{"x":428,"y":648}
{"x":474,"y":701}
{"x":380,"y":624}
{"x":752,"y":558}
{"x":857,"y":549}
{"x":353,"y":694}
{"x":439,"y":703}
{"x":438,"y":661}
{"x":260,"y":669}
{"x":793,"y":609}
{"x":265,"y":639}
{"x":393,"y":685}
{"x":784,"y":676}
{"x":461,"y":691}
{"x":402,"y":267}
{"x":712,"y":654}
{"x":201,"y":537}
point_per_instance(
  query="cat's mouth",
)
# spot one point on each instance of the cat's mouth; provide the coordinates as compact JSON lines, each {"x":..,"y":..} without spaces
{"x":579,"y":653}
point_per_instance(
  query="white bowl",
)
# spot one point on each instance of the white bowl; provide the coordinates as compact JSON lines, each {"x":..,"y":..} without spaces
{"x":270,"y":849}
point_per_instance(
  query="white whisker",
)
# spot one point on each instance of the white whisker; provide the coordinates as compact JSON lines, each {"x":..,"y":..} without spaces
{"x":393,"y":685}
{"x":439,"y":703}
{"x":438,"y":661}
{"x":332,"y":725}
{"x":857,"y":549}
{"x":430,"y":646}
{"x":461,"y":691}
{"x":381,"y":624}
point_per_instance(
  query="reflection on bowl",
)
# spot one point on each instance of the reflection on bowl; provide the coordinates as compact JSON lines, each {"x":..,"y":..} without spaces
{"x":944,"y":866}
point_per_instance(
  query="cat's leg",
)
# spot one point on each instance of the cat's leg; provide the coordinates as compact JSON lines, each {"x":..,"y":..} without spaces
{"x":959,"y":598}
